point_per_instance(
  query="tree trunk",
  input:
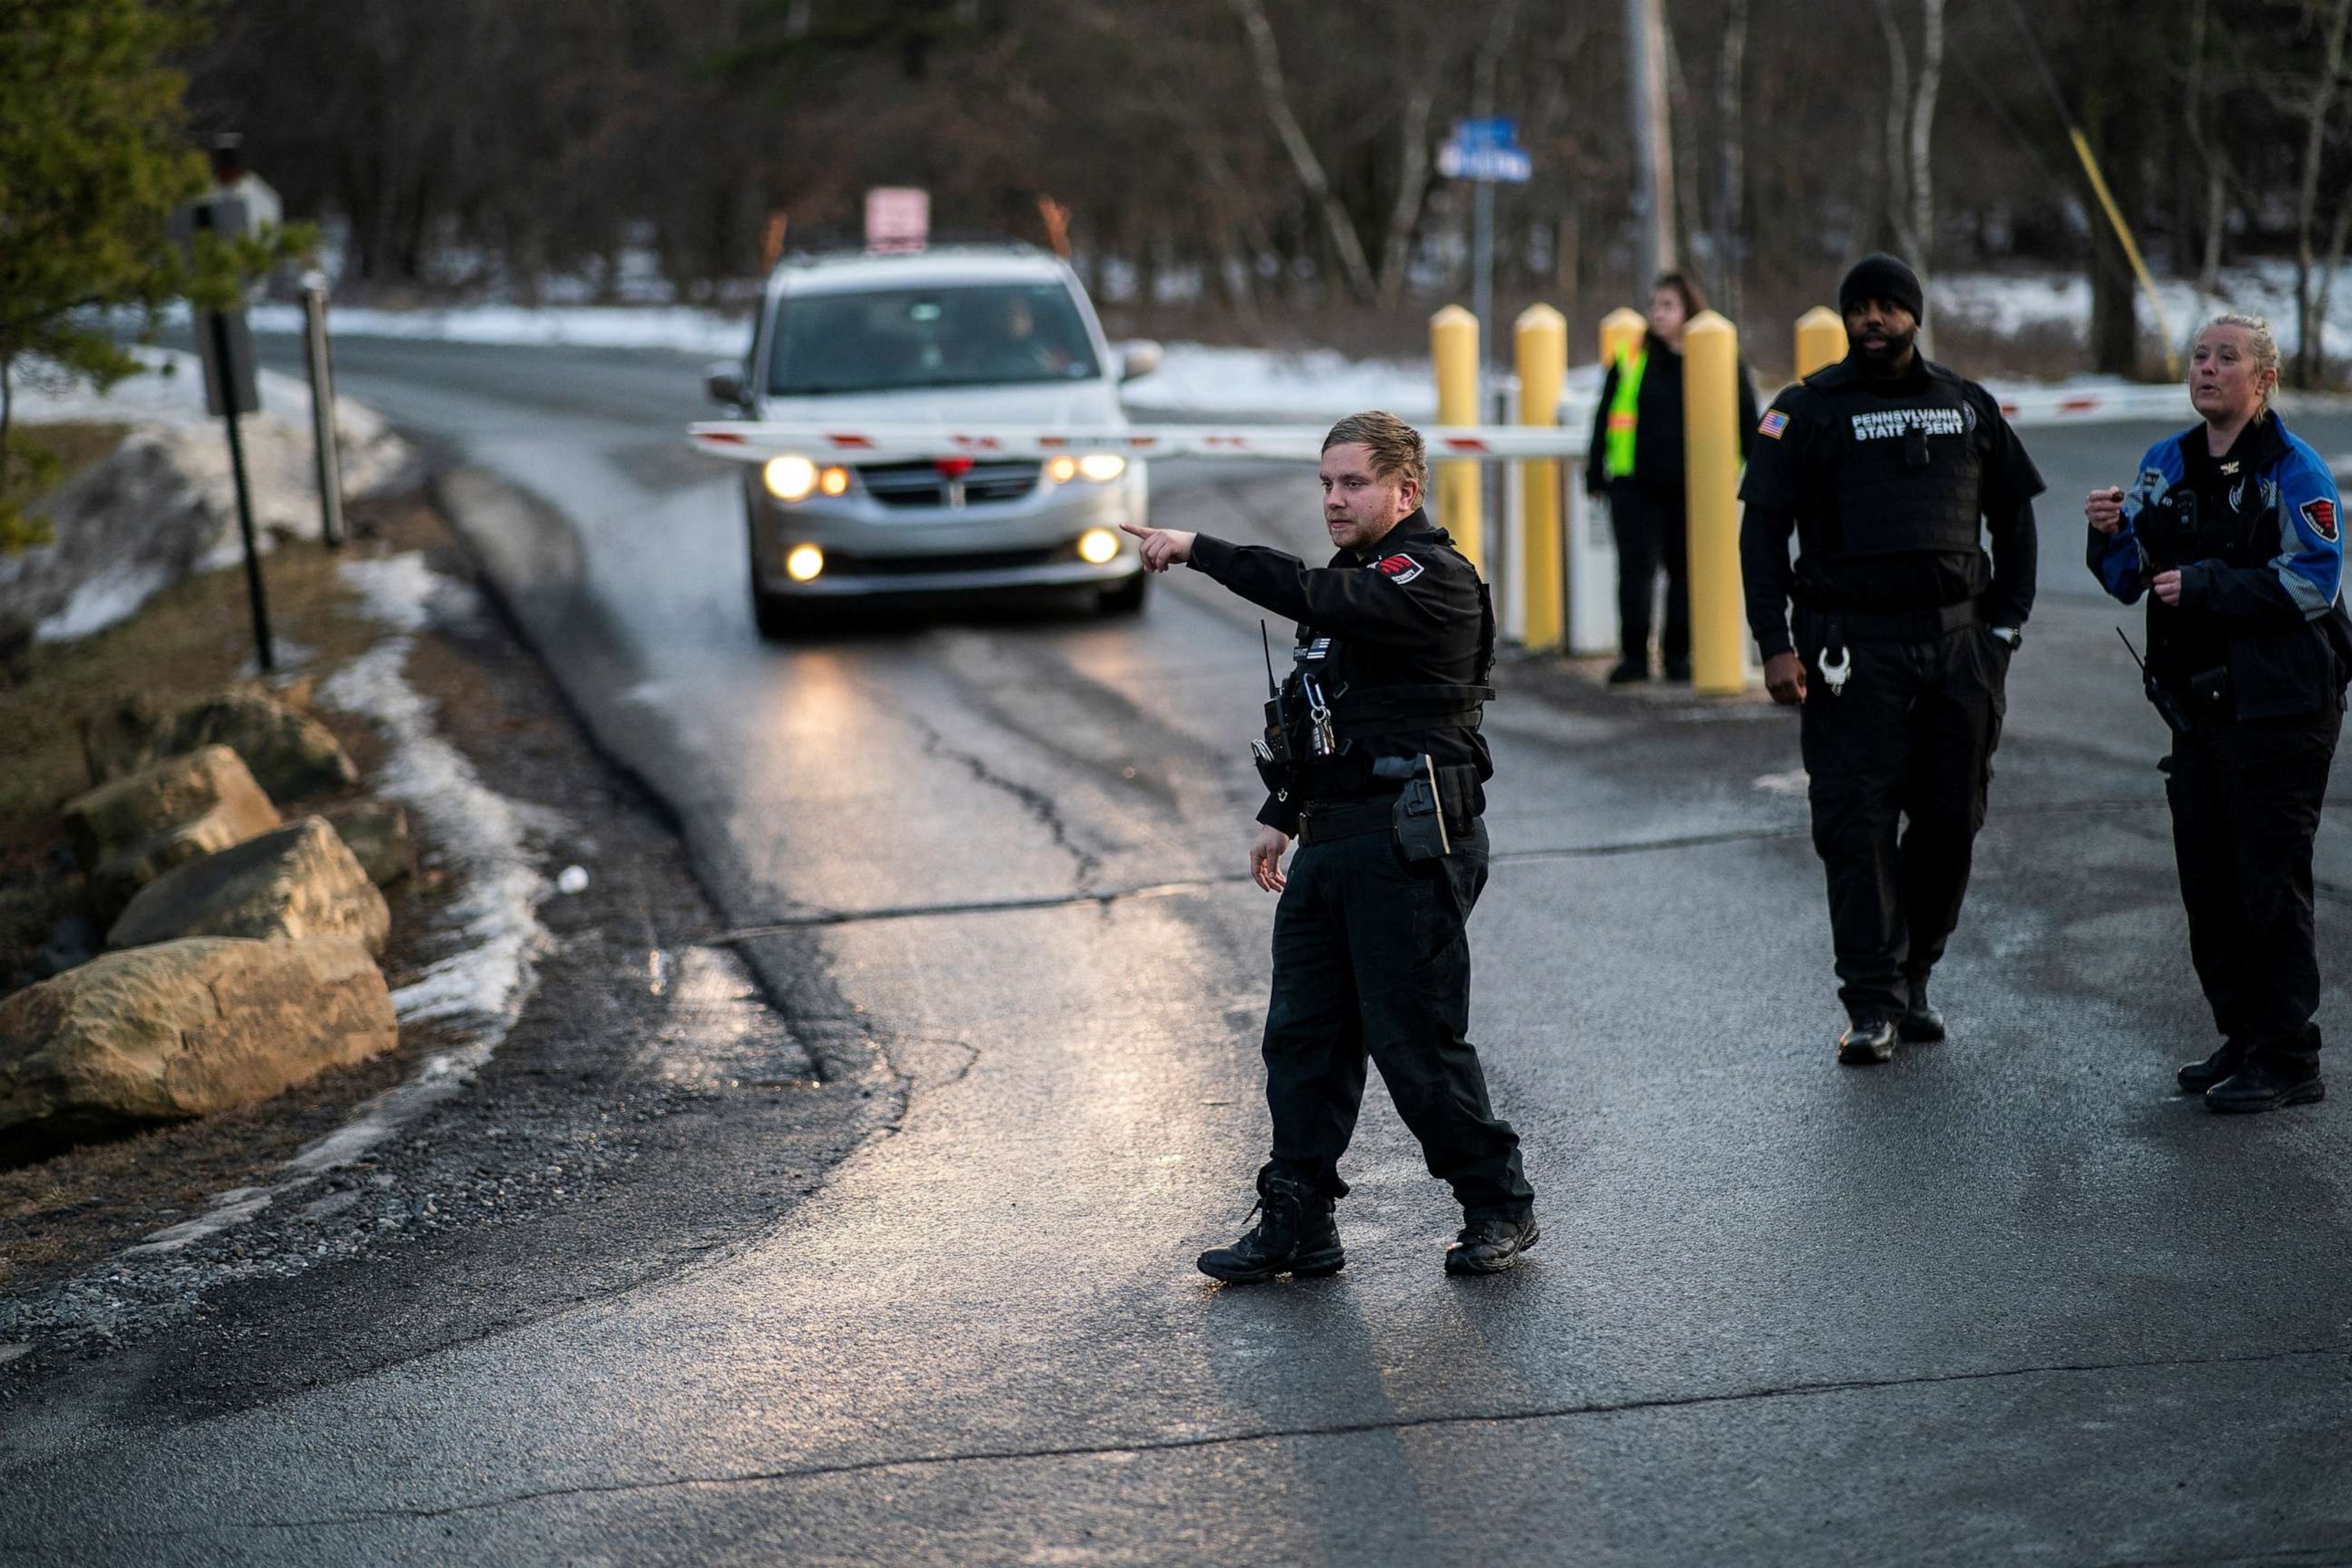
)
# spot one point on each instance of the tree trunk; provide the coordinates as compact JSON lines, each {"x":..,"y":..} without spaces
{"x":1684,"y":135}
{"x":1921,"y":179}
{"x":1645,"y":48}
{"x":2208,"y":158}
{"x":1413,"y":184}
{"x":2337,"y":234}
{"x":1730,"y":149}
{"x":7,"y":417}
{"x":1898,"y":120}
{"x":1267,"y":61}
{"x":2306,"y":205}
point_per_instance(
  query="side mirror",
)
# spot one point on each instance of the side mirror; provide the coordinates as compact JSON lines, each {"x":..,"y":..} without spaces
{"x":724,"y":382}
{"x":1141,"y":358}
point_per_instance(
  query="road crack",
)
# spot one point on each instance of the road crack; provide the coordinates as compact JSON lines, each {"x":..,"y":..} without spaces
{"x":1270,"y":1434}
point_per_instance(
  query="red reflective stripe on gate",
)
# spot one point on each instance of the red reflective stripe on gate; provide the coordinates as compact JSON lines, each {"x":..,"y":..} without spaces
{"x":859,"y":441}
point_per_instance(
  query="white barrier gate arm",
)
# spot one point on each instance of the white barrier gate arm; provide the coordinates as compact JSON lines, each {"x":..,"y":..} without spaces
{"x":755,"y":442}
{"x":748,"y":441}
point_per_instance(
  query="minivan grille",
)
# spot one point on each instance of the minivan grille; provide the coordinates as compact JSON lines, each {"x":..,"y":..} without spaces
{"x":923,"y":485}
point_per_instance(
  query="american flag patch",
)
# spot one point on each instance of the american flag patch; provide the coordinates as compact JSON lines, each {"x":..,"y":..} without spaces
{"x":1775,"y":424}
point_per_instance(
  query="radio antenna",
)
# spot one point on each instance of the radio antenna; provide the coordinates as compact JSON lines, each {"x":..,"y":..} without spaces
{"x":2128,"y":648}
{"x":1266,"y":644}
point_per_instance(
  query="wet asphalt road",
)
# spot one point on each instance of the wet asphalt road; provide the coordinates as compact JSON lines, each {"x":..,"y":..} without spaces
{"x":2005,"y":1297}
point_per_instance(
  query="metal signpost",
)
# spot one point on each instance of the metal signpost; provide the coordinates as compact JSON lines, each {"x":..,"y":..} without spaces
{"x":323,"y":411}
{"x":1484,"y":150}
{"x":225,"y":342}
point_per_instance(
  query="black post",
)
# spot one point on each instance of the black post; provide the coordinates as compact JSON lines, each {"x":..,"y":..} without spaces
{"x":244,"y":495}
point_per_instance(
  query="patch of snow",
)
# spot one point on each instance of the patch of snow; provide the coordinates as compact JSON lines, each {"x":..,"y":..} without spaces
{"x":163,"y":504}
{"x":679,"y":327}
{"x":114,"y":594}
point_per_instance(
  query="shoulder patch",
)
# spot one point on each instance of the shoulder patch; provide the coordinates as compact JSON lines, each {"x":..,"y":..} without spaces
{"x":1398,"y":568}
{"x":2320,"y":516}
{"x":1776,"y":423}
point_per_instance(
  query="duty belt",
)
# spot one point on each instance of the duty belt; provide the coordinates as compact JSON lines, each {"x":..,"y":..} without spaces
{"x":1902,"y":625}
{"x":1320,"y":825}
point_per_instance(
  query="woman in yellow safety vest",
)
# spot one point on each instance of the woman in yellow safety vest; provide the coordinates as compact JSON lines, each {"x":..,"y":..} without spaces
{"x":1637,"y":464}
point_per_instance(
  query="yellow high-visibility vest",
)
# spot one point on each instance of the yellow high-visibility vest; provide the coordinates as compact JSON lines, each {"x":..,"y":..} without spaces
{"x":1617,"y":452}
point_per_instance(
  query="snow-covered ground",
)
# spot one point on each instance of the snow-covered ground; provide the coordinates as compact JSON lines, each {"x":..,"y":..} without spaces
{"x":163,"y":504}
{"x":2012,"y":305}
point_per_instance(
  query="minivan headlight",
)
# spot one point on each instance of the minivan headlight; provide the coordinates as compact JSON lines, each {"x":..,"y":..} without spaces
{"x":1102,"y":467}
{"x":789,"y":477}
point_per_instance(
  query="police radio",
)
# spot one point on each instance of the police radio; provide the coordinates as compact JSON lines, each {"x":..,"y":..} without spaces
{"x":1271,"y":753}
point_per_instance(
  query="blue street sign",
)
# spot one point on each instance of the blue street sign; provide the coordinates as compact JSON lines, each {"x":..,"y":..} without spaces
{"x":1486,"y":150}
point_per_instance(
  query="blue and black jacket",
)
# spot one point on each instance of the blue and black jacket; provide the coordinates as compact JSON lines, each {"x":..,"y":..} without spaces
{"x":2260,"y":578}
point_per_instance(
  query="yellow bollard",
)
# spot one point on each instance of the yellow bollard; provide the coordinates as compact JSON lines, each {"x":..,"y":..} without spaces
{"x":1453,"y":354}
{"x":1621,"y":329}
{"x":1820,"y":340}
{"x":1540,"y":339}
{"x":1711,"y":442}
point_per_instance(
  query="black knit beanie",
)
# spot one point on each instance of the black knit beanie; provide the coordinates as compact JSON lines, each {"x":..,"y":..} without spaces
{"x":1879,"y":276}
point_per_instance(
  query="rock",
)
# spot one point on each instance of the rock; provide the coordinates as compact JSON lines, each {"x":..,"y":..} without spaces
{"x":128,"y":833}
{"x":121,"y":739}
{"x":287,"y":885}
{"x":291,"y":754}
{"x":184,"y":1030}
{"x":72,"y":940}
{"x":377,"y":832}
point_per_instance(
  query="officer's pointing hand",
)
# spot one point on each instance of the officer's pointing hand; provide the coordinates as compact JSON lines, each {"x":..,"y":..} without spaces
{"x":1265,"y":859}
{"x":1163,"y":547}
{"x":2105,"y":509}
{"x":1784,"y":678}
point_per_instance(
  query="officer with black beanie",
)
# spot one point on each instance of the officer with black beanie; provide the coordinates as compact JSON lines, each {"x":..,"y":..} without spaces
{"x":1892,"y":633}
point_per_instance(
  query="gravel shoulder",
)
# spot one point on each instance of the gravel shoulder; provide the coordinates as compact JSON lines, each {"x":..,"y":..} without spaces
{"x":651,"y":1109}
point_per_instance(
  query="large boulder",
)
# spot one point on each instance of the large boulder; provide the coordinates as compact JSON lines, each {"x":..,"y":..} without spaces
{"x":286,"y":885}
{"x":377,"y":832}
{"x":128,"y":833}
{"x":291,"y":754}
{"x":185,"y":1029}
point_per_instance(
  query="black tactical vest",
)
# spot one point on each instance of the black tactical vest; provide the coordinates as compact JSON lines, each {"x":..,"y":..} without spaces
{"x":1904,"y":473}
{"x":1357,"y":711}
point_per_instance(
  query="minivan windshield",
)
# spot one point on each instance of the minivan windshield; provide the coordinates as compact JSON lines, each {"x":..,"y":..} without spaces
{"x":988,"y":335}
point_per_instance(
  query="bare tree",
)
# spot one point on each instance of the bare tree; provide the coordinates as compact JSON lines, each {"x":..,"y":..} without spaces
{"x":1910,"y":130}
{"x":1341,"y":228}
{"x":2211,"y":162}
{"x":2317,"y":108}
{"x":1731,"y":144}
{"x":1413,"y":189}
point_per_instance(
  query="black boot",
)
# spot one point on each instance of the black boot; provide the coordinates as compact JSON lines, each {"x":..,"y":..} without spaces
{"x":2196,"y":1077}
{"x":1867,"y":1042}
{"x":2268,"y":1083}
{"x":1921,"y":1025}
{"x":1491,"y":1244}
{"x":1296,"y":1235}
{"x":1629,"y":670}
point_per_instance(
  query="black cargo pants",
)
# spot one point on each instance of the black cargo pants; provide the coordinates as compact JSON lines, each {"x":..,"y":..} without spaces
{"x":2245,"y":800}
{"x":1371,"y":959}
{"x":1898,"y":765}
{"x":1652,"y":531}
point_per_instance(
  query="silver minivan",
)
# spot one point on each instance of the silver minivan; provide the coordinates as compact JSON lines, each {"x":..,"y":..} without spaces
{"x":961,"y":336}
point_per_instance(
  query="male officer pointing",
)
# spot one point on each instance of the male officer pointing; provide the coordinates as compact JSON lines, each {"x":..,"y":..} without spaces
{"x":1891,"y":469}
{"x":1374,"y":763}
